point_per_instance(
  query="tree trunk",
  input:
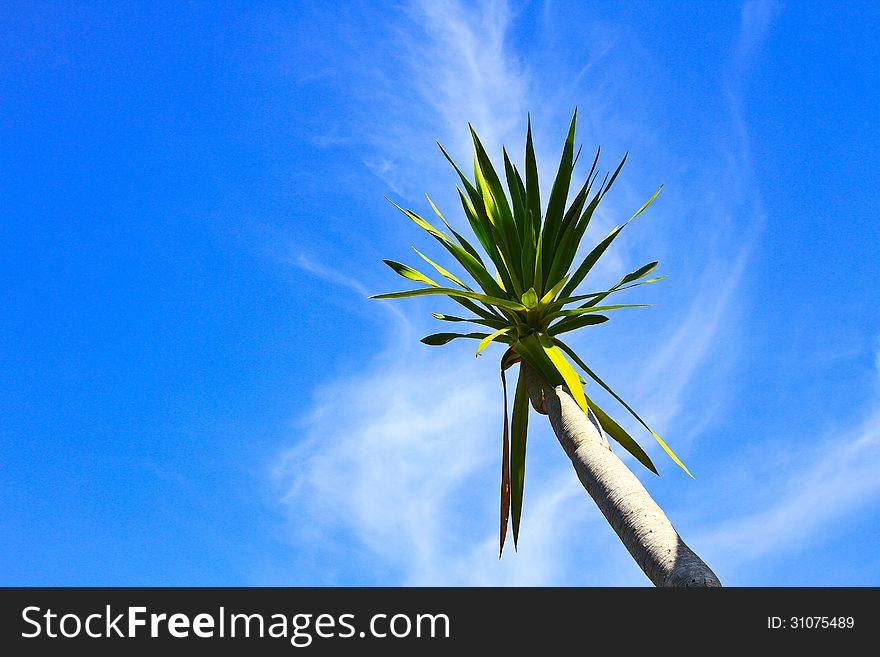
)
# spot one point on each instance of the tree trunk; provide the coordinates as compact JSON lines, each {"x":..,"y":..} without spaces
{"x":639,"y":522}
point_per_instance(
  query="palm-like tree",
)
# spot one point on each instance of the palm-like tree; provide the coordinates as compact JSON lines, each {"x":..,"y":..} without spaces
{"x":529,"y":302}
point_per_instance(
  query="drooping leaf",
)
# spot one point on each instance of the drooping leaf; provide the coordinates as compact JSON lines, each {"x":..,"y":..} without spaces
{"x":519,"y":425}
{"x":619,"y":434}
{"x":611,"y":392}
{"x":506,"y":361}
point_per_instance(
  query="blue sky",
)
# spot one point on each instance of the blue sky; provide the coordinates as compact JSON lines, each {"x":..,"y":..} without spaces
{"x":194,"y":389}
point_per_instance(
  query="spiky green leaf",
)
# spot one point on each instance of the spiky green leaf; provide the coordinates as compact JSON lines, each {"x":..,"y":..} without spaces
{"x":492,"y":301}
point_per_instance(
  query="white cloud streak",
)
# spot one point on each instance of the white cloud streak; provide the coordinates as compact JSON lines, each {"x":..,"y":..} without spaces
{"x":831,"y":482}
{"x":404,"y":462}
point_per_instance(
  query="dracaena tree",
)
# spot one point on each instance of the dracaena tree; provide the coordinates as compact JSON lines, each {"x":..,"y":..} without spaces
{"x":523,"y":290}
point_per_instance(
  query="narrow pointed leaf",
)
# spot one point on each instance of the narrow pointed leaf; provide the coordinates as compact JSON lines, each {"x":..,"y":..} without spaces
{"x":588,"y":262}
{"x":517,"y":202}
{"x":439,"y":339}
{"x":491,"y":177}
{"x":616,"y":172}
{"x":420,"y":221}
{"x":443,"y":272}
{"x":477,"y":225}
{"x":647,"y":203}
{"x":600,"y":248}
{"x":408,"y":272}
{"x":619,"y":434}
{"x":492,"y":336}
{"x":559,"y":192}
{"x":475,"y":268}
{"x":519,"y":425}
{"x":505,"y":465}
{"x":501,"y":222}
{"x":574,"y":323}
{"x":475,"y":209}
{"x":565,"y":370}
{"x":491,"y":323}
{"x":547,"y":298}
{"x":458,"y":236}
{"x":533,"y":193}
{"x":527,"y":257}
{"x":597,"y":296}
{"x":626,"y":282}
{"x":494,"y":301}
{"x":611,"y":392}
{"x":566,"y":244}
{"x":471,"y":264}
{"x":642,"y":271}
{"x":539,"y":264}
{"x":488,"y":313}
{"x":583,"y":310}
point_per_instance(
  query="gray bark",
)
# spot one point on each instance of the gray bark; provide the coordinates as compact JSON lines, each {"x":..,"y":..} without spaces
{"x":639,"y":522}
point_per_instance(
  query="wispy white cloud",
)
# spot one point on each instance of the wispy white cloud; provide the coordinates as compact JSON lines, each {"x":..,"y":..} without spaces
{"x":467,"y":72}
{"x":452,"y":66}
{"x":404,"y":462}
{"x":402,"y":329}
{"x":832,"y":481}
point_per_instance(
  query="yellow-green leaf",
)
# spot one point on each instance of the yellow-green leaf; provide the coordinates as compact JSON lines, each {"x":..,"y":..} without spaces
{"x":571,"y":378}
{"x":452,"y":292}
{"x":489,"y":338}
{"x":443,"y":272}
{"x":408,"y":272}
